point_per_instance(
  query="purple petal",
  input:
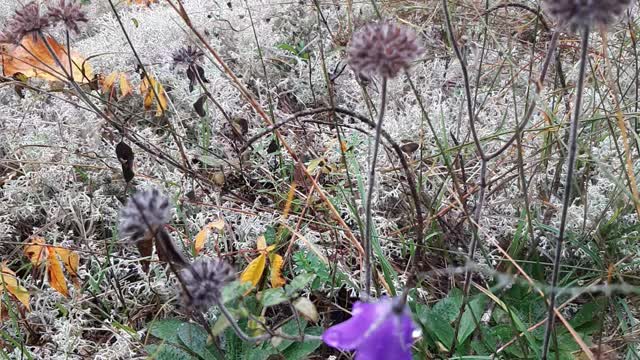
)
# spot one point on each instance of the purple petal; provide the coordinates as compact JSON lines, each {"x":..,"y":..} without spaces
{"x":350,"y":334}
{"x":390,"y":340}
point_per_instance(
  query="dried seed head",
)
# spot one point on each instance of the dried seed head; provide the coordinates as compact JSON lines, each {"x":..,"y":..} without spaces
{"x":204,"y":280}
{"x":383,"y":49}
{"x":576,"y":14}
{"x":25,"y":21}
{"x":68,"y":12}
{"x":187,"y":55}
{"x":144,"y":211}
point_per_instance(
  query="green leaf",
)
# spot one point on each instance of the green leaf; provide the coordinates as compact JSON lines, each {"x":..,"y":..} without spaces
{"x":439,"y":327}
{"x":449,"y":307}
{"x":468,"y":322}
{"x":166,"y":330}
{"x":299,"y":282}
{"x":586,"y":314}
{"x":301,"y":350}
{"x":272,"y":297}
{"x":234,"y":290}
{"x":167,"y":352}
{"x":194,"y":338}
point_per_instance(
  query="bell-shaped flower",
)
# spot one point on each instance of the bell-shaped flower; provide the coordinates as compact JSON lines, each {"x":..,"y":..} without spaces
{"x":376,"y":331}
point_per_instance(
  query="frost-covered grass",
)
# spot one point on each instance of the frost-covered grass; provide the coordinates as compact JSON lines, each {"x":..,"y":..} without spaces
{"x":60,"y":178}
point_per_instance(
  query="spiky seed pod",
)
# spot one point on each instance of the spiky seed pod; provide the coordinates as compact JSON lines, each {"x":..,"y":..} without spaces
{"x":144,"y":211}
{"x":576,"y":14}
{"x":383,"y":49}
{"x":203,"y":282}
{"x":69,"y":13}
{"x":188,"y":55}
{"x":25,"y":21}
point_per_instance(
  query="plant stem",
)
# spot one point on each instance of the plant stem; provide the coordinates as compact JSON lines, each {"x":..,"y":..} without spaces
{"x":571,"y":160}
{"x":372,"y":182}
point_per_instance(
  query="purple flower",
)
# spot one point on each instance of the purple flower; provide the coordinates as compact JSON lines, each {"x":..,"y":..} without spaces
{"x":375,"y":331}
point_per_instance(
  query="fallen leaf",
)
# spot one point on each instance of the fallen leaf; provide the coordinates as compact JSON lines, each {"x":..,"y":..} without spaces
{"x":125,"y":86}
{"x":253,"y":272}
{"x":56,"y":277}
{"x":32,"y":59}
{"x":198,"y":106}
{"x":36,"y":251}
{"x":71,"y":261}
{"x":54,"y":258}
{"x":150,"y":87}
{"x":202,"y":236}
{"x":9,"y":281}
{"x":126,"y":157}
{"x":276,"y":262}
{"x":305,"y":307}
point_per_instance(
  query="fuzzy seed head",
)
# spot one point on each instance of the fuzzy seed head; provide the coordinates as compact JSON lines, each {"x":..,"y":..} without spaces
{"x":576,"y":14}
{"x":383,"y":49}
{"x":188,"y":55}
{"x":68,"y":12}
{"x":146,"y":210}
{"x":25,"y":21}
{"x":204,"y":281}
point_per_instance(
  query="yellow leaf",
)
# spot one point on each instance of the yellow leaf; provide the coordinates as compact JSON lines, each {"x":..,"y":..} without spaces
{"x":108,"y":82}
{"x":9,"y":281}
{"x":125,"y":86}
{"x":217,"y":224}
{"x":56,"y":278}
{"x":261,"y":243}
{"x":154,"y":90}
{"x":71,"y":261}
{"x":33,"y":59}
{"x":253,"y":272}
{"x":36,"y":251}
{"x":202,"y":236}
{"x":276,"y":262}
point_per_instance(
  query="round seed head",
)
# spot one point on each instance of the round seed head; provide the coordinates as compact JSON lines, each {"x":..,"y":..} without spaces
{"x":144,"y":211}
{"x":188,"y":55}
{"x":383,"y":49}
{"x":68,"y":12}
{"x":26,"y":20}
{"x":576,"y":14}
{"x":204,"y":280}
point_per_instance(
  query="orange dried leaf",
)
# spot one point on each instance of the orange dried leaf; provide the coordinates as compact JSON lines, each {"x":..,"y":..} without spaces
{"x":125,"y":86}
{"x":36,"y":251}
{"x":150,"y":87}
{"x":109,"y":81}
{"x":56,"y":278}
{"x":276,"y":262}
{"x":32,"y":58}
{"x":202,"y":236}
{"x":9,"y":281}
{"x":199,"y":240}
{"x":71,"y":261}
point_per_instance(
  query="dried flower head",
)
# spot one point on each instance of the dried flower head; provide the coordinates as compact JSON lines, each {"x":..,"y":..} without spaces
{"x":144,"y":211}
{"x":69,"y":13}
{"x":576,"y":14}
{"x":188,"y":55}
{"x":204,"y":280}
{"x":25,"y":21}
{"x":383,"y":49}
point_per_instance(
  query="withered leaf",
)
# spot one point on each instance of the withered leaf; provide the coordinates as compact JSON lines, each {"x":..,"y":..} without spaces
{"x":273,"y":146}
{"x":199,"y":105}
{"x":409,"y":148}
{"x":194,"y":72}
{"x":125,"y":156}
